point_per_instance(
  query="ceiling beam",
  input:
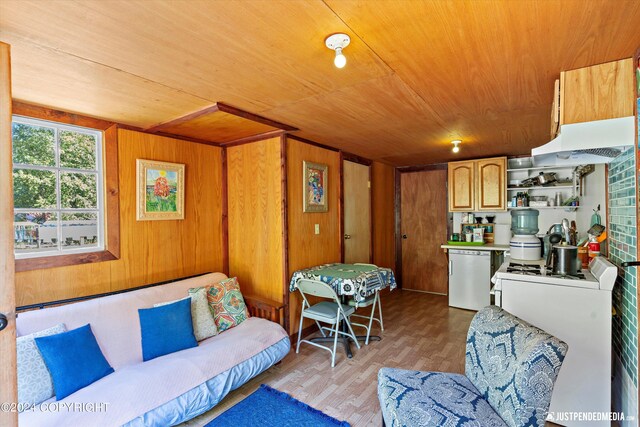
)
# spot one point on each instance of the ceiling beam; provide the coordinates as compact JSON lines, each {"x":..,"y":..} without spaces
{"x":225,"y":108}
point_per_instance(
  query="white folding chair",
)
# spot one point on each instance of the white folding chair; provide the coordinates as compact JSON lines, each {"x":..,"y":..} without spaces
{"x":372,"y":300}
{"x":331,"y":312}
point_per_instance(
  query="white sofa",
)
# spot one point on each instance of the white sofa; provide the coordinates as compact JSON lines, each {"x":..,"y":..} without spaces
{"x":161,"y":392}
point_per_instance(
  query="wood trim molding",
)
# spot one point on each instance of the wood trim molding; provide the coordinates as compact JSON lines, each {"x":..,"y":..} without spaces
{"x":315,"y":144}
{"x":112,"y":193}
{"x":254,"y":117}
{"x":356,"y":159}
{"x":636,"y":65}
{"x":184,"y":118}
{"x":112,"y":190}
{"x":225,"y":108}
{"x":371,"y":233}
{"x":170,"y":135}
{"x":341,"y":208}
{"x":8,"y":378}
{"x":254,"y":138}
{"x":398,"y":219}
{"x":285,"y":230}
{"x":45,"y":113}
{"x":420,"y":168}
{"x":63,"y":260}
{"x":225,"y":212}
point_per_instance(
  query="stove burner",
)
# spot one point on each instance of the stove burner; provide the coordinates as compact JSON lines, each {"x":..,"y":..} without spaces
{"x":528,"y":269}
{"x":537,"y":270}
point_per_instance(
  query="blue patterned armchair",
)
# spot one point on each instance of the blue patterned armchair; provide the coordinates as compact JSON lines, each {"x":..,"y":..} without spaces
{"x":510,"y":370}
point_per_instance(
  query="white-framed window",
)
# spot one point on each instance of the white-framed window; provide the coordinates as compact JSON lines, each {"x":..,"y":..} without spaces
{"x":58,"y":182}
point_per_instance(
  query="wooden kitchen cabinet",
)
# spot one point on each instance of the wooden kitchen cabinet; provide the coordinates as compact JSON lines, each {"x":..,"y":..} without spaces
{"x":477,"y":185}
{"x":599,"y":92}
{"x":461,"y":183}
{"x":492,"y":187}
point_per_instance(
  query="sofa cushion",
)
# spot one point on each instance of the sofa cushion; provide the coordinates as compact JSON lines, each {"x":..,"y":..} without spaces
{"x":113,"y":319}
{"x":514,"y":365}
{"x":137,"y":389}
{"x":415,"y":398}
{"x":34,"y":380}
{"x":227,"y":304}
{"x":203,"y":324}
{"x":74,"y":360}
{"x":166,"y":329}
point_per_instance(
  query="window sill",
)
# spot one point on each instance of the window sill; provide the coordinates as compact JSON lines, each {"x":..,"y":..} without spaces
{"x":63,"y":260}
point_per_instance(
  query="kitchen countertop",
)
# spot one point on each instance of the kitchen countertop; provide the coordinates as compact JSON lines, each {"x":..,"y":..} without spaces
{"x":485,"y":247}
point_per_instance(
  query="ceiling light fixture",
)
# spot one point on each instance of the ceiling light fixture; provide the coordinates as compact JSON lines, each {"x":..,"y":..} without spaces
{"x":455,"y":143}
{"x":338,"y":42}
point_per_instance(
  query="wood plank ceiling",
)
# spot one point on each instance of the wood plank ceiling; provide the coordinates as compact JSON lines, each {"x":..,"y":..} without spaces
{"x":419,"y":73}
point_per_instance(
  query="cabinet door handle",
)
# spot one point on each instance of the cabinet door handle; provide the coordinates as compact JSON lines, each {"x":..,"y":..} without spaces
{"x":347,"y":236}
{"x":404,"y":236}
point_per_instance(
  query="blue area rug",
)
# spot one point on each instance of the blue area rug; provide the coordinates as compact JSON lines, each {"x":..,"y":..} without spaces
{"x":269,"y":407}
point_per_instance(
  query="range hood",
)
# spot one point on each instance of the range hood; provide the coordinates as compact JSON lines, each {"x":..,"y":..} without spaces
{"x":594,"y":142}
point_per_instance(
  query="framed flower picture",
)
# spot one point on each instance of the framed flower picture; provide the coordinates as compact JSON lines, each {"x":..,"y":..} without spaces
{"x":314,"y":187}
{"x":160,"y":190}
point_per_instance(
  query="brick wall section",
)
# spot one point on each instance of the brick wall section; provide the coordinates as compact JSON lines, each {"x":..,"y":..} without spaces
{"x":622,"y":235}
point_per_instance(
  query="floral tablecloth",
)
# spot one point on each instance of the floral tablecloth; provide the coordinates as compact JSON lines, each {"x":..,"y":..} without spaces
{"x":360,"y":281}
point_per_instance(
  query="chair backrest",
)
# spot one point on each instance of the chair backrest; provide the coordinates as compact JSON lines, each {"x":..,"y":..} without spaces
{"x":514,"y":365}
{"x":316,"y":288}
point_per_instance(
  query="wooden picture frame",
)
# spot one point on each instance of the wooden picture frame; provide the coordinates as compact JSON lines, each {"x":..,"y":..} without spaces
{"x":314,"y":187}
{"x":160,"y":190}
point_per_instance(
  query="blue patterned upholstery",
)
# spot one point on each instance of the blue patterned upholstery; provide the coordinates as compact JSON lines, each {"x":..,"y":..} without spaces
{"x":414,"y":398}
{"x":511,"y":368}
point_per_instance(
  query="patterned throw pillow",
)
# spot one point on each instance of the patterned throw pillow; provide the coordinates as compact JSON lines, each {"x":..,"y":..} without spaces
{"x":34,"y":380}
{"x":227,"y":304}
{"x":201,"y":317}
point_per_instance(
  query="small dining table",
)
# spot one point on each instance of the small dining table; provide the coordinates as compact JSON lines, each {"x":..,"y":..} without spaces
{"x":358,"y":281}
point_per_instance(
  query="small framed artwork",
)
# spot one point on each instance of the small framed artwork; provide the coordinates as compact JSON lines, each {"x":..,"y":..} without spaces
{"x":314,"y":185}
{"x":160,"y":190}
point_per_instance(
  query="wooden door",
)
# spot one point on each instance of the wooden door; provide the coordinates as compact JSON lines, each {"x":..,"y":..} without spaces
{"x":357,"y":213}
{"x":461,"y":186}
{"x":423,"y":216}
{"x":8,"y":375}
{"x":492,"y":188}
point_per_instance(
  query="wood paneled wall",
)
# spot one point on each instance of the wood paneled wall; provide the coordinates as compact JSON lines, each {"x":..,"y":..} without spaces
{"x":151,"y":251}
{"x":306,"y":248}
{"x":254,"y":177}
{"x":383,"y":194}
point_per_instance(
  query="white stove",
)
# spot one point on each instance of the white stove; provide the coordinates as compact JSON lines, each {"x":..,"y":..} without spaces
{"x":601,"y":274}
{"x":577,"y":310}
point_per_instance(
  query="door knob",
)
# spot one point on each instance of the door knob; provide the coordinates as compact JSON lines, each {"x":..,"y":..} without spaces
{"x":3,"y":321}
{"x":347,"y":236}
{"x":404,"y":236}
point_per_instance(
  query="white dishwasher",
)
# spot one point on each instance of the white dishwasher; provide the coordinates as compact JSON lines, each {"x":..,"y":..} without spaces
{"x":469,"y":278}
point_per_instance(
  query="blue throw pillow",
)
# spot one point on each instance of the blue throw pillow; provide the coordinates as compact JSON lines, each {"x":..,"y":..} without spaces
{"x":166,"y":329}
{"x":74,"y":360}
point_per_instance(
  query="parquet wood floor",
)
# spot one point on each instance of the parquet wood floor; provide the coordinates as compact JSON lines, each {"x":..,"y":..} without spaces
{"x":421,"y":332}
